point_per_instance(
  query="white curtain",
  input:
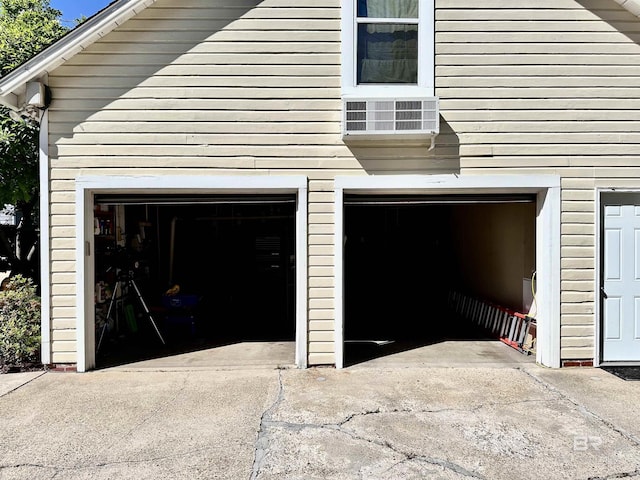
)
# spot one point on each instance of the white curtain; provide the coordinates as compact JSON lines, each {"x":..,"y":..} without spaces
{"x":392,"y":8}
{"x":388,"y":58}
{"x":389,"y":71}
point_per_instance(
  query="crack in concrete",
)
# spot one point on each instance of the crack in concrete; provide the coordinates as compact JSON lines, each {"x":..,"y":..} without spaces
{"x":451,"y":466}
{"x":401,"y":462}
{"x":358,"y":414}
{"x":635,"y":473}
{"x":299,"y":426}
{"x":583,"y":409}
{"x":22,"y":385}
{"x":262,"y":440}
{"x":409,"y":460}
{"x":160,"y":408}
{"x":87,"y":465}
{"x":411,"y":456}
{"x":55,"y":472}
{"x":59,"y":470}
{"x":152,"y":414}
{"x":472,"y":409}
{"x":266,"y":423}
{"x":28,"y":465}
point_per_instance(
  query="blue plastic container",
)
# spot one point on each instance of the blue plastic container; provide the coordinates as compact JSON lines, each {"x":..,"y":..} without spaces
{"x":179,"y":301}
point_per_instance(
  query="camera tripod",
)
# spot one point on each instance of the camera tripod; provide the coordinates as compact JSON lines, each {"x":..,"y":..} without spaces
{"x":130,"y":283}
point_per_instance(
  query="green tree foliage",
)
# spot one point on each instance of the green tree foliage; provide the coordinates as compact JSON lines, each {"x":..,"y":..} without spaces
{"x":26,"y":28}
{"x":18,"y":161}
{"x":19,"y":324}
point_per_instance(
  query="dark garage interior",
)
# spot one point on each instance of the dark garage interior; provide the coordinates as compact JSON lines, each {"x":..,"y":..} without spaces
{"x":192,"y":272}
{"x":404,"y":254}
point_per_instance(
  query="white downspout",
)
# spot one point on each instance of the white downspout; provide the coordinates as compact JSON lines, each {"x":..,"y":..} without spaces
{"x":45,"y":258}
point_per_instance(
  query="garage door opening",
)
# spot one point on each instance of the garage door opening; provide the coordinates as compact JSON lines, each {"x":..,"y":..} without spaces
{"x":185,"y":273}
{"x":404,"y":254}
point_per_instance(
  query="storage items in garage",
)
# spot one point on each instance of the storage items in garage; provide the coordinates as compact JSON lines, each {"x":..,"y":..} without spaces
{"x":515,"y":329}
{"x":180,"y":311}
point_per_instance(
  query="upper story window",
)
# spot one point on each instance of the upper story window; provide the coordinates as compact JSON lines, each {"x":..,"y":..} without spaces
{"x":387,"y":47}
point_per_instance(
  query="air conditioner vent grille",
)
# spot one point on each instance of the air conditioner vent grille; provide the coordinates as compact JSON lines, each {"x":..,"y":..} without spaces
{"x":388,"y":116}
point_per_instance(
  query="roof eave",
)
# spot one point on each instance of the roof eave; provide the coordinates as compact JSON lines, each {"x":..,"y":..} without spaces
{"x":10,"y":100}
{"x":74,"y":42}
{"x":632,"y":5}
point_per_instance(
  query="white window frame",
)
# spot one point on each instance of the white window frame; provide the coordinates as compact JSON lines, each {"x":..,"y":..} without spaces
{"x":426,"y":61}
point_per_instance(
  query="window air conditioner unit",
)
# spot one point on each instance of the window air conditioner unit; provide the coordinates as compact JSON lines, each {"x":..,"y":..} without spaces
{"x":407,"y":119}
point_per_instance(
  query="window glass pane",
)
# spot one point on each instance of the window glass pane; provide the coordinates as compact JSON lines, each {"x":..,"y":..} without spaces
{"x":387,"y":53}
{"x":388,"y":8}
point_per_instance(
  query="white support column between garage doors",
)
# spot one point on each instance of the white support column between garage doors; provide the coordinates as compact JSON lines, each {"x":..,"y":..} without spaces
{"x":88,"y":186}
{"x":547,"y":191}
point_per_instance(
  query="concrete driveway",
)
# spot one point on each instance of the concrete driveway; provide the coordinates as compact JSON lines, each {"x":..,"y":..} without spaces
{"x":365,"y":422}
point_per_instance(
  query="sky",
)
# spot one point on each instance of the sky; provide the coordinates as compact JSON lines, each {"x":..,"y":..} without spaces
{"x":72,"y":9}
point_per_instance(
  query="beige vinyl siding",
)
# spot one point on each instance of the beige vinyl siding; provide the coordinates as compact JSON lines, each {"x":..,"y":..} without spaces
{"x":225,"y":87}
{"x":206,"y":87}
{"x":200,"y":88}
{"x":547,"y":87}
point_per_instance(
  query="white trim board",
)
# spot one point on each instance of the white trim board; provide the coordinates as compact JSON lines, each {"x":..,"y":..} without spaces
{"x":88,"y":186}
{"x":597,"y":221}
{"x":547,"y":189}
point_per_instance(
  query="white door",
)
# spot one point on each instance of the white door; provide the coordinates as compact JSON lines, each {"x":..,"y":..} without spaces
{"x":621,"y":278}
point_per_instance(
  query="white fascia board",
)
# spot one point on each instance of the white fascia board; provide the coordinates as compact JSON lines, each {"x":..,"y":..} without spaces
{"x":10,"y":100}
{"x":632,"y":5}
{"x":72,"y":43}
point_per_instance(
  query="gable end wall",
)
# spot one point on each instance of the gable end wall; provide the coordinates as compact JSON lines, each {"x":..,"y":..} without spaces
{"x":225,"y":87}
